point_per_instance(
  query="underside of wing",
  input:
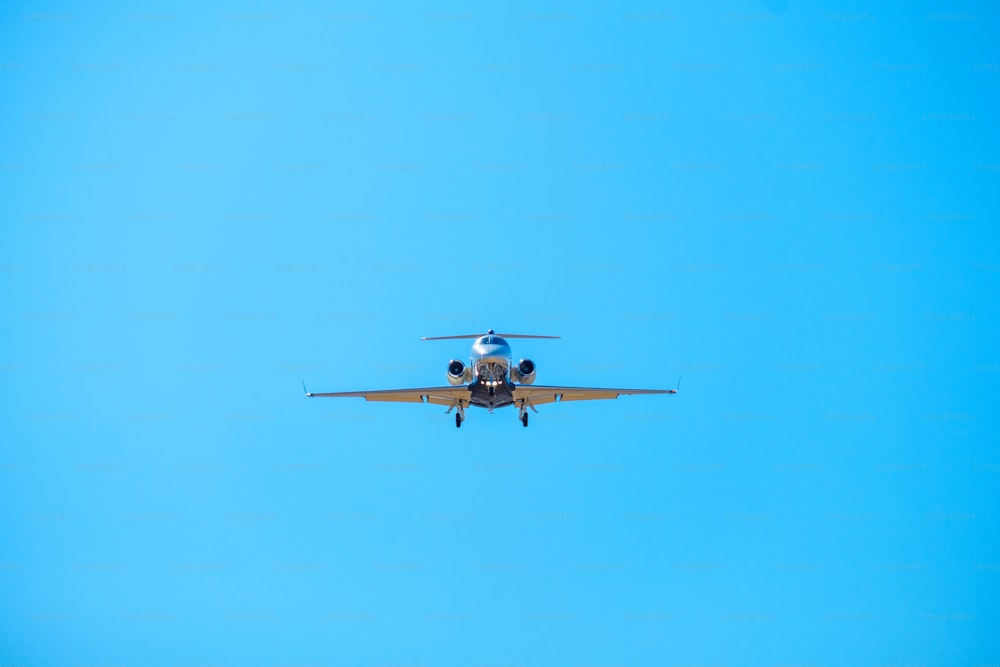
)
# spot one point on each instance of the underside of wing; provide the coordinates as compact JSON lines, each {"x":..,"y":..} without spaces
{"x":435,"y":395}
{"x":540,"y":394}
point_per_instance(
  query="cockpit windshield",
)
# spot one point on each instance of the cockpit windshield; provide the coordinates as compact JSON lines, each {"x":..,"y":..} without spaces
{"x":491,"y":340}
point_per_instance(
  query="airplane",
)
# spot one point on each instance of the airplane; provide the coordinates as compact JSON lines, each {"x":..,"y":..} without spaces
{"x":491,"y":380}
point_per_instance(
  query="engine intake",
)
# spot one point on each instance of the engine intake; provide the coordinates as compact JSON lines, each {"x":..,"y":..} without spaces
{"x":457,"y":372}
{"x":524,"y":372}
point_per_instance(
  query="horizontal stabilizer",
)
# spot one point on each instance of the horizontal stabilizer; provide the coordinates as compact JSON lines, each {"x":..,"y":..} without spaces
{"x":488,"y":333}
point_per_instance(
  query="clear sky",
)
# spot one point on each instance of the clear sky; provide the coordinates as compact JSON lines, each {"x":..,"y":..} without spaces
{"x":792,"y":205}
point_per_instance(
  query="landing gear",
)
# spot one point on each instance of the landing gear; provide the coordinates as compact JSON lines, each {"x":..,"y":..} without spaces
{"x":522,"y":412}
{"x":458,"y":420}
{"x":459,"y":414}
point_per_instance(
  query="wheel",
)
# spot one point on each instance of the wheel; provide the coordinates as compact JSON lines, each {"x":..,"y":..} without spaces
{"x":524,"y":419}
{"x":458,"y":420}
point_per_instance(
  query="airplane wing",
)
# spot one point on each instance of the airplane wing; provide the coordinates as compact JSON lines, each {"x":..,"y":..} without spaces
{"x":540,"y":394}
{"x":436,"y":395}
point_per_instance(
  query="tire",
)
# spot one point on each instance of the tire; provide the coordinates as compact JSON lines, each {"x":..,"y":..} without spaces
{"x":458,"y":420}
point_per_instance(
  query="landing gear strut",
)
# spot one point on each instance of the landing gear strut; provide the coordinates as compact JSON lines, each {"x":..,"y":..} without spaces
{"x":522,"y":412}
{"x":459,"y":414}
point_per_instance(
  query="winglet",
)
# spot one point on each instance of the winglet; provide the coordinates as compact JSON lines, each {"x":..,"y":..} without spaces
{"x":678,"y":386}
{"x":305,"y":390}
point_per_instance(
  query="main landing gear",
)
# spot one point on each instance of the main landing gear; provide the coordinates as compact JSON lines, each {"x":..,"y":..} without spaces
{"x":459,"y":415}
{"x":522,"y":411}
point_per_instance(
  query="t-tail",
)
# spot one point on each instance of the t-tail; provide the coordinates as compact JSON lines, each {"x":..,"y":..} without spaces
{"x":488,"y":332}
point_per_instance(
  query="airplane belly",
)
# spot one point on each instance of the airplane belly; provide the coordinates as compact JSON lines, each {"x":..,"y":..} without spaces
{"x":490,"y":396}
{"x":492,"y":369}
{"x":493,"y":361}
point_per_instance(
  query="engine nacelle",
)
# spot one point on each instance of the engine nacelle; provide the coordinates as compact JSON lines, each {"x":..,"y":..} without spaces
{"x":458,"y":373}
{"x":524,"y":372}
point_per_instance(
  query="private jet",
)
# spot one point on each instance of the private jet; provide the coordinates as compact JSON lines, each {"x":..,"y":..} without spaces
{"x":491,"y":380}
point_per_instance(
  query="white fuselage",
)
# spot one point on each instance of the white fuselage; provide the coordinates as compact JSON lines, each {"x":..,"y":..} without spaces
{"x":491,"y":358}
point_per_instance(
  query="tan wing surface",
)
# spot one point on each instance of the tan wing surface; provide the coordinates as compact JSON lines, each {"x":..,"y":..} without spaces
{"x":540,"y":394}
{"x":434,"y":395}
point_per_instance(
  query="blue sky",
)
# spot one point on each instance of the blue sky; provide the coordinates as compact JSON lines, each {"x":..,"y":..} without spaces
{"x":793,"y":206}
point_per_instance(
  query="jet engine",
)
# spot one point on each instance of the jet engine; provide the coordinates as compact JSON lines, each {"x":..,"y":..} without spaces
{"x":458,"y":373}
{"x":524,"y":372}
